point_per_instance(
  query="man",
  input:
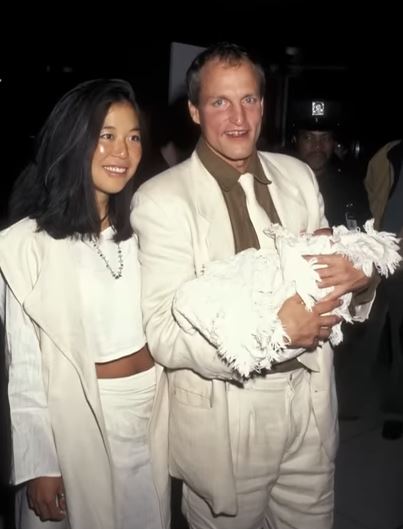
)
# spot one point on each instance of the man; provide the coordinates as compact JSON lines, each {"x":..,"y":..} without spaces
{"x":384,"y":184}
{"x":259,"y":452}
{"x":316,"y":124}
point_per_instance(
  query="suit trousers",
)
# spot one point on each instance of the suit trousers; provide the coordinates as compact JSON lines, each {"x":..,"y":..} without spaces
{"x":284,"y":479}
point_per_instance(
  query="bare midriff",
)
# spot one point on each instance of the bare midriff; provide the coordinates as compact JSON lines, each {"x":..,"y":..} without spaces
{"x":127,"y":365}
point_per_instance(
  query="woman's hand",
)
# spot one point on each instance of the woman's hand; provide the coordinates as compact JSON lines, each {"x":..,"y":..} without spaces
{"x":46,"y":498}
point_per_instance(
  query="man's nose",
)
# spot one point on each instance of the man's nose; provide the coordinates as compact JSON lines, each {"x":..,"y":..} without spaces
{"x":317,"y":144}
{"x":237,"y":114}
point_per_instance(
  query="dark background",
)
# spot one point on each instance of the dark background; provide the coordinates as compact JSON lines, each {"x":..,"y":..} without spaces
{"x":322,"y":49}
{"x":338,"y":50}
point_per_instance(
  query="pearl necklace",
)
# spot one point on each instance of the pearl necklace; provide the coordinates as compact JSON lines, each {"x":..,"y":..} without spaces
{"x":118,"y":274}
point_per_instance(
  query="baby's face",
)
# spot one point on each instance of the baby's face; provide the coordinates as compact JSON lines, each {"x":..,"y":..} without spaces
{"x":323,"y":231}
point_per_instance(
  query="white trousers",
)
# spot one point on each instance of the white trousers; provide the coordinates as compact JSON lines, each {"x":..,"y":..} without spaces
{"x":283,"y":476}
{"x":126,"y":404}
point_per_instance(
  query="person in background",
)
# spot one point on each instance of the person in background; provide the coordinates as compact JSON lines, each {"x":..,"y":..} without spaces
{"x":81,"y":379}
{"x":257,"y":452}
{"x":316,"y":139}
{"x":384,"y":184}
{"x":316,"y":128}
{"x":169,"y":138}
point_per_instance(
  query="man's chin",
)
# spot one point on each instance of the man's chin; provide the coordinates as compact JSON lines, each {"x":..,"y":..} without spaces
{"x":316,"y":163}
{"x":238,"y":155}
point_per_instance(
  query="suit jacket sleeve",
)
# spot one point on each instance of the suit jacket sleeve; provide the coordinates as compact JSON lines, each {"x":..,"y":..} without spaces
{"x":167,"y":260}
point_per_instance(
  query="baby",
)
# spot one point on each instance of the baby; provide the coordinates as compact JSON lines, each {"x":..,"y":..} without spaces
{"x":234,"y":304}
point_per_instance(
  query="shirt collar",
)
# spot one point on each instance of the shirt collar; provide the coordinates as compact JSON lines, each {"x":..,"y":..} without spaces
{"x":226,"y":175}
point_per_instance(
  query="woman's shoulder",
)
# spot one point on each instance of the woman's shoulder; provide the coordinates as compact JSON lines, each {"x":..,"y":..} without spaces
{"x":22,"y":229}
{"x":21,"y":256}
{"x":23,"y":238}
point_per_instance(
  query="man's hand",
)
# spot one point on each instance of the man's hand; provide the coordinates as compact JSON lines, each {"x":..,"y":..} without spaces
{"x":305,"y":328}
{"x":339,"y":272}
{"x":46,"y":498}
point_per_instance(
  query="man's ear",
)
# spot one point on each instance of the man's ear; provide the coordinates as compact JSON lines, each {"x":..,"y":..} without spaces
{"x":194,"y":113}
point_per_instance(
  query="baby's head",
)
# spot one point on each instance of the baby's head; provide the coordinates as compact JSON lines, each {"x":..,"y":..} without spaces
{"x":323,"y":231}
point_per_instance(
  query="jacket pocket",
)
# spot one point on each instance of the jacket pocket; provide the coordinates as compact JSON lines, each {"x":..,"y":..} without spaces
{"x":192,"y":390}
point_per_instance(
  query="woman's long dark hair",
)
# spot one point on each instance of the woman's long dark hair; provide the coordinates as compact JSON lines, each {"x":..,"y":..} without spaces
{"x":56,"y":189}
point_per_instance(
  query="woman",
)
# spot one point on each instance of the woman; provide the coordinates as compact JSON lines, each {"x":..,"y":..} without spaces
{"x":81,"y":379}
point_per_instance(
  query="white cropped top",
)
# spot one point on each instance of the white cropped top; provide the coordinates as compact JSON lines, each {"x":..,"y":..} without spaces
{"x":111,"y":306}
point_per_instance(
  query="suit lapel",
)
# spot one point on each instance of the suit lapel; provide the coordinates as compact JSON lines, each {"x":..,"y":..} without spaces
{"x":286,"y":197}
{"x":213,"y":223}
{"x":213,"y":220}
{"x":63,"y":325}
{"x":275,"y":189}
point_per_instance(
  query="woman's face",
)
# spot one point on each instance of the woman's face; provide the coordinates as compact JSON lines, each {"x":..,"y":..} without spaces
{"x":118,"y":151}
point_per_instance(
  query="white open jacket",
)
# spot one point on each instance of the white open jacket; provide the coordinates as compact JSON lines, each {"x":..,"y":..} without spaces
{"x":39,"y":270}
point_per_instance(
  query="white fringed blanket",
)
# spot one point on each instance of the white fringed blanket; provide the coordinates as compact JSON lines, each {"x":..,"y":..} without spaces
{"x":234,"y":305}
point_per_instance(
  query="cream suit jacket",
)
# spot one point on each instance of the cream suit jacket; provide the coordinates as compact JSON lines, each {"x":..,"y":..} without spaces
{"x":182,"y":223}
{"x":40,"y":271}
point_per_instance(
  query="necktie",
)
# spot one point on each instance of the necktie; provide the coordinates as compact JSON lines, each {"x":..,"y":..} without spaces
{"x":257,"y":214}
